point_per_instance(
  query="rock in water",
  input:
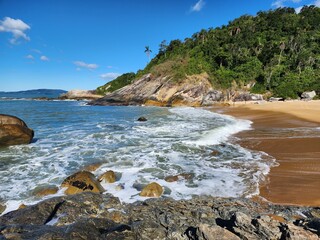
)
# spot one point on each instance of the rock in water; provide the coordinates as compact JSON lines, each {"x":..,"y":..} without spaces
{"x":152,"y":190}
{"x":80,"y":182}
{"x":14,"y":131}
{"x":45,"y":190}
{"x":142,"y":119}
{"x":108,"y":177}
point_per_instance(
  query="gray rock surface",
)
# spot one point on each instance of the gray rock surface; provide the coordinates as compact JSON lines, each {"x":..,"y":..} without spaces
{"x":101,"y":216}
{"x":308,"y":95}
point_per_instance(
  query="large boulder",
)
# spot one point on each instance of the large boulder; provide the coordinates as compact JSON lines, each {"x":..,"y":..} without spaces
{"x":152,"y":190}
{"x":14,"y":131}
{"x":308,"y":95}
{"x":80,"y":182}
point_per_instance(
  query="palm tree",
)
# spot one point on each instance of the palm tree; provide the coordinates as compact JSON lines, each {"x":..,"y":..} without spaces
{"x":148,"y":51}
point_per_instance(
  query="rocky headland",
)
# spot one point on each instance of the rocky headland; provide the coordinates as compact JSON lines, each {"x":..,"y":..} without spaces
{"x":194,"y":90}
{"x":79,"y":95}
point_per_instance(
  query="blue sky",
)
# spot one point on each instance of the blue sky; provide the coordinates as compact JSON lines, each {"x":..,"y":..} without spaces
{"x":69,"y":44}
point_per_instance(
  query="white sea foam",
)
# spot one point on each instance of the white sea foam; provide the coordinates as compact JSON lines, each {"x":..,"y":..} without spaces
{"x":172,"y":141}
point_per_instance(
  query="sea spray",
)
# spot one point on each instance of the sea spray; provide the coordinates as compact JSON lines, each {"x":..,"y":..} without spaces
{"x":70,"y":135}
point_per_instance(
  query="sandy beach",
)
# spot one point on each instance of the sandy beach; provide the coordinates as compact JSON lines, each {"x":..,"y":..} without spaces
{"x":288,"y":131}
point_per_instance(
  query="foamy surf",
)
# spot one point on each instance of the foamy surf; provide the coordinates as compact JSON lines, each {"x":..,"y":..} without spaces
{"x":71,"y":136}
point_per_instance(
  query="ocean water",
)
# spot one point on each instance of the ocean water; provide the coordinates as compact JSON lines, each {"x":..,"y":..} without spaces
{"x":70,"y":135}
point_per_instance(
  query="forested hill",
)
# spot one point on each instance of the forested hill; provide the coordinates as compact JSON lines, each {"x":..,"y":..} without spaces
{"x":276,"y":51}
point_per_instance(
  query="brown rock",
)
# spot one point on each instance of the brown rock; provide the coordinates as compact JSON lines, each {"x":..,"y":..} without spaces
{"x":80,"y":182}
{"x":215,"y":153}
{"x":152,"y":190}
{"x":108,"y":177}
{"x":22,"y":206}
{"x":175,"y":178}
{"x":44,"y":191}
{"x":216,"y":232}
{"x":92,"y":167}
{"x":2,"y":208}
{"x":14,"y":131}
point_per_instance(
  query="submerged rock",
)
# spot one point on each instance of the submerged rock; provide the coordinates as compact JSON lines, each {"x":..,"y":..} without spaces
{"x":108,"y":177}
{"x":152,"y":190}
{"x":14,"y":131}
{"x":80,"y":182}
{"x":101,"y":216}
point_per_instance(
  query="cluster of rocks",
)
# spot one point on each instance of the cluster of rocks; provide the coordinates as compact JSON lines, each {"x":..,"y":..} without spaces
{"x":91,"y":215}
{"x":14,"y":131}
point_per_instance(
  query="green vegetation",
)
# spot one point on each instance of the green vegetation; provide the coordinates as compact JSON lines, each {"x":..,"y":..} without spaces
{"x":116,"y":84}
{"x":277,"y":51}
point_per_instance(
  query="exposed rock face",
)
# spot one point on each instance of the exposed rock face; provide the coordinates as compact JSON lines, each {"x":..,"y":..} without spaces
{"x":213,"y":97}
{"x":14,"y":131}
{"x":99,"y":216}
{"x":80,"y":94}
{"x":308,"y":95}
{"x":80,"y":182}
{"x":161,"y":91}
{"x":152,"y":190}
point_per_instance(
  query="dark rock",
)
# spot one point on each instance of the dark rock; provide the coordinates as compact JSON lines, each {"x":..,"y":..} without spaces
{"x":142,"y":119}
{"x":101,"y":216}
{"x":14,"y":131}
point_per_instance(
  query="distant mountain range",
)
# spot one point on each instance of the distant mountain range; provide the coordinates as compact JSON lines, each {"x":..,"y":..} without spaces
{"x":35,"y":93}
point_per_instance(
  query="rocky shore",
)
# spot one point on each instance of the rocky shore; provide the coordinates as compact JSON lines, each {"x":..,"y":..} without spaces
{"x":90,"y":215}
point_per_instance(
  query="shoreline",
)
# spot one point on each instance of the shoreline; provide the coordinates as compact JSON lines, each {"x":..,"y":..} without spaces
{"x":284,"y":130}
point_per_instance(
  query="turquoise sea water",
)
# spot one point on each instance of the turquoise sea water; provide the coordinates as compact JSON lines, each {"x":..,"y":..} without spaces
{"x":70,"y":135}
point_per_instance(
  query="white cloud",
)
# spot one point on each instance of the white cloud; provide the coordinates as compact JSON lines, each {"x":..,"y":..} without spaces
{"x":44,"y":58}
{"x":89,"y":66}
{"x":36,"y":51}
{"x":15,"y":26}
{"x":317,"y":3}
{"x":198,"y":6}
{"x":110,"y":75}
{"x":30,"y":56}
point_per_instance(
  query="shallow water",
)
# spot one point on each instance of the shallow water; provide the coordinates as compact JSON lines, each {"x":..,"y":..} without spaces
{"x":71,"y":135}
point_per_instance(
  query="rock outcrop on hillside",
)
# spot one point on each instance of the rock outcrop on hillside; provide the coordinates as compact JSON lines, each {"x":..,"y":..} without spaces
{"x":161,"y":91}
{"x":14,"y":131}
{"x":80,"y":95}
{"x":101,"y":216}
{"x":195,"y":90}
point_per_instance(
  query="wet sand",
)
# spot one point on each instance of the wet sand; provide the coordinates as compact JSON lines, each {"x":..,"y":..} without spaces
{"x":288,"y":131}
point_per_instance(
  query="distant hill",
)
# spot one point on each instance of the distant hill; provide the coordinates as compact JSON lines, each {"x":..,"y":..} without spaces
{"x":36,"y":93}
{"x":275,"y":52}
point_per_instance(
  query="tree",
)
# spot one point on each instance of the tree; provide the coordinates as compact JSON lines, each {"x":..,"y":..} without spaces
{"x":163,"y":48}
{"x":148,"y":51}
